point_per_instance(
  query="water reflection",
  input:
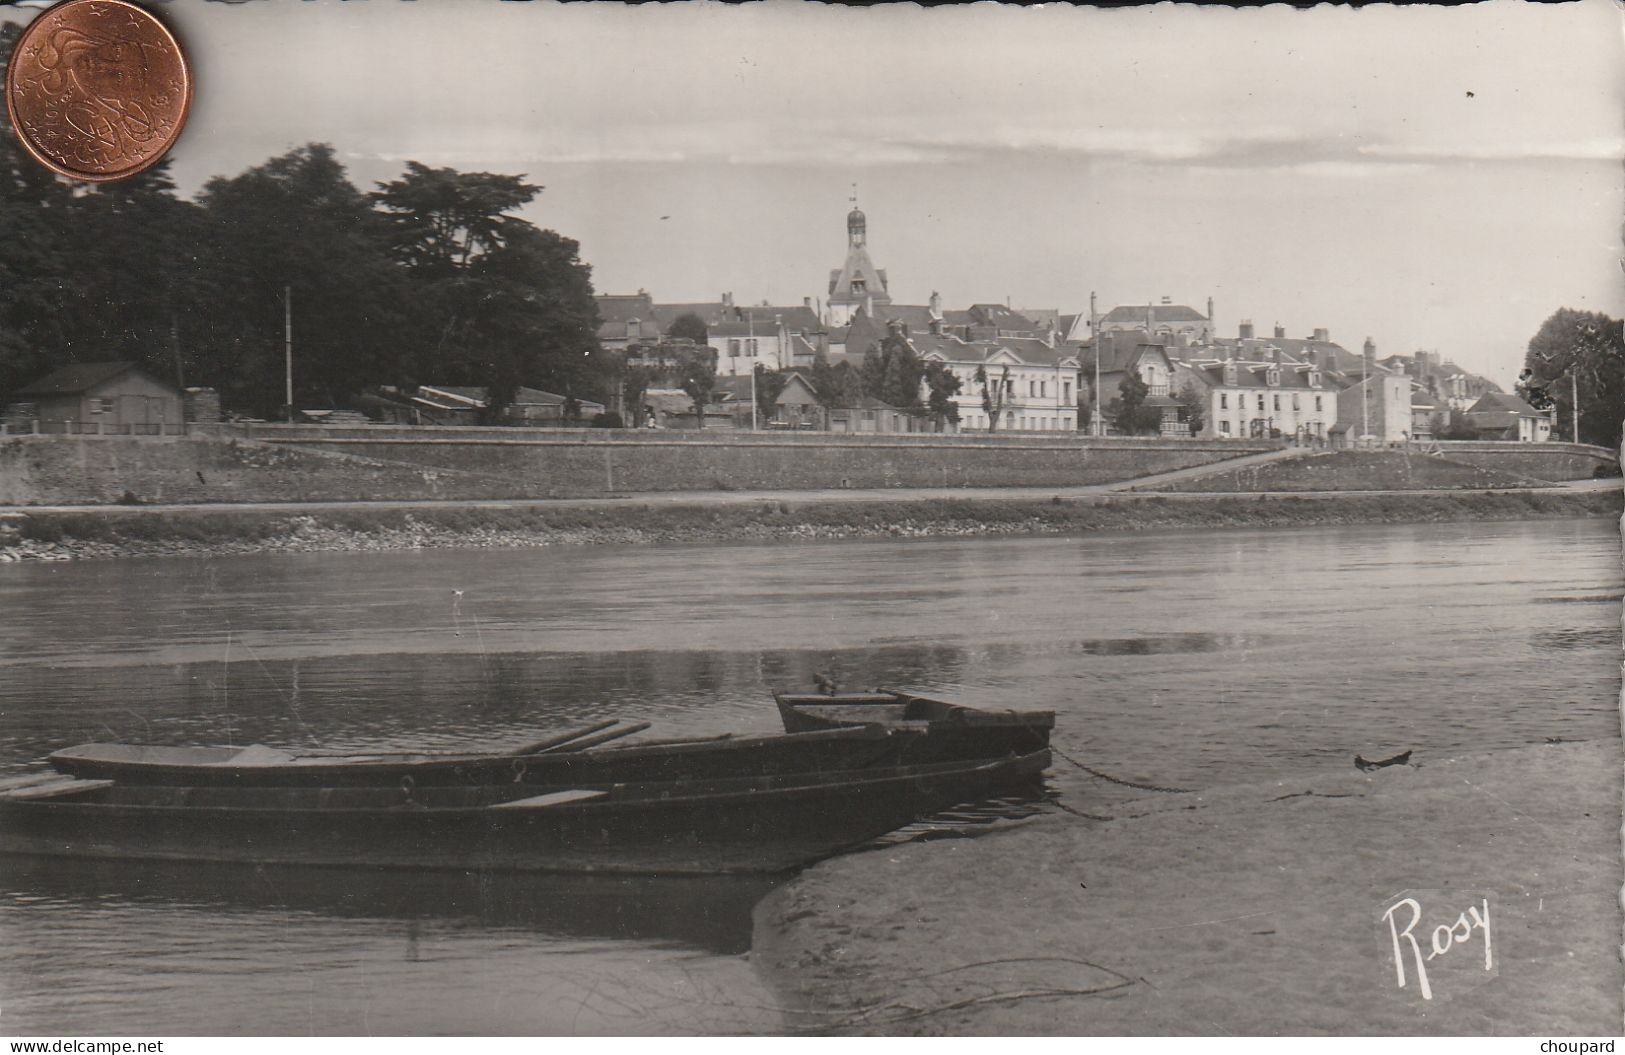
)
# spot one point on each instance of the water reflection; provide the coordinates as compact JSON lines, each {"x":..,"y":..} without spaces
{"x":705,"y":913}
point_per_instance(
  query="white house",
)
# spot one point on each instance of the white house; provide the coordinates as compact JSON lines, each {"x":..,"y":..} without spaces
{"x":1035,"y":385}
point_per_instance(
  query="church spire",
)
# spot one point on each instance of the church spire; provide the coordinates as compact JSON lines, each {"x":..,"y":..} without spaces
{"x":857,"y":225}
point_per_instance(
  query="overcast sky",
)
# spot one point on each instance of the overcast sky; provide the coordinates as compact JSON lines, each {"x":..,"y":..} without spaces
{"x":1433,"y":178}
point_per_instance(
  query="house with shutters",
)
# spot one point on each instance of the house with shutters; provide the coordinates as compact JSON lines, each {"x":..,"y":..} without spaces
{"x":1273,"y":395}
{"x":1033,"y":385}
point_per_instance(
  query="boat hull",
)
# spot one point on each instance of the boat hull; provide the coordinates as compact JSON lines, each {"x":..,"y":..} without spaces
{"x":821,"y":750}
{"x":774,"y":825}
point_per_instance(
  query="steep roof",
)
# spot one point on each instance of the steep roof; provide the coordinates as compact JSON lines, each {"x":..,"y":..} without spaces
{"x":619,"y":307}
{"x":858,"y":267}
{"x":1503,"y":403}
{"x":1029,"y":350}
{"x":1293,"y":376}
{"x":1329,"y":355}
{"x":1131,"y":314}
{"x":75,"y":378}
{"x":1002,"y":318}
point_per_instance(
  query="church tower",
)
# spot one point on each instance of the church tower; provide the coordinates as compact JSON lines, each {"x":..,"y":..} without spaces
{"x":858,"y":283}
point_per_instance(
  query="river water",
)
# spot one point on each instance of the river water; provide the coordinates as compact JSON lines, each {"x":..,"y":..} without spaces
{"x":1184,"y":658}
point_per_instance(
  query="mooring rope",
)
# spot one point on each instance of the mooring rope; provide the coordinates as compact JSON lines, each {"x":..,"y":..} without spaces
{"x":1116,"y":780}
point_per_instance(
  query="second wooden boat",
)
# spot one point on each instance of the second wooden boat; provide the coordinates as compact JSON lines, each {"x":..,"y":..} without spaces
{"x":947,"y":731}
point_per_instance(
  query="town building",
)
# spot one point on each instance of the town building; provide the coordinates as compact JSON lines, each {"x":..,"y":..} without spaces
{"x":1270,"y":396}
{"x":778,"y":337}
{"x":1033,"y":385}
{"x":1373,"y":405}
{"x":112,"y":398}
{"x":626,"y":319}
{"x":1499,"y":416}
{"x":1166,"y":319}
{"x":1126,"y":353}
{"x":795,"y":407}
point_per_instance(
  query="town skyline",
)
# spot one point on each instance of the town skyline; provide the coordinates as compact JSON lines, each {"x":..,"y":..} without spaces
{"x":1436,"y":179}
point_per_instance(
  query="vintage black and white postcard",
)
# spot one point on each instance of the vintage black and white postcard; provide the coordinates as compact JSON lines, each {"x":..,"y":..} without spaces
{"x":773,"y":519}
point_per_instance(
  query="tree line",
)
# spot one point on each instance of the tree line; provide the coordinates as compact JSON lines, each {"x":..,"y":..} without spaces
{"x":428,"y":278}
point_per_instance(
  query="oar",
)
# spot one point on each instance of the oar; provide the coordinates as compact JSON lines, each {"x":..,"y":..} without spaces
{"x":563,"y":738}
{"x":594,"y":741}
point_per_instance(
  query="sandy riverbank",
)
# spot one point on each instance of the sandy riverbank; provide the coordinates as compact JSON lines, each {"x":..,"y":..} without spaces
{"x":222,"y":530}
{"x":1249,"y":909}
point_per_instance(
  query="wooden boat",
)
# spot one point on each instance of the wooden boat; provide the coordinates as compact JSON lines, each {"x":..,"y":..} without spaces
{"x":950,"y":731}
{"x":759,"y":824}
{"x":823,"y":750}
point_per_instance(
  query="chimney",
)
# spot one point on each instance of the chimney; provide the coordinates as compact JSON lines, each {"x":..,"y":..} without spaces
{"x":727,"y":300}
{"x":1322,"y":334}
{"x":1280,"y":332}
{"x":1369,"y":353}
{"x":1210,"y":310}
{"x":806,"y":302}
{"x":1245,"y":330}
{"x":936,"y":304}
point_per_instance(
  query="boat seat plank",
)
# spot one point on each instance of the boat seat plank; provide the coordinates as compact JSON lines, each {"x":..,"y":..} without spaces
{"x":30,"y":779}
{"x":552,"y":798}
{"x":65,"y":786}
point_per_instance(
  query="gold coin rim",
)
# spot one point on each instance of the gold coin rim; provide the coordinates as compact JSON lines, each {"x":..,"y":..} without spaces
{"x":53,"y":164}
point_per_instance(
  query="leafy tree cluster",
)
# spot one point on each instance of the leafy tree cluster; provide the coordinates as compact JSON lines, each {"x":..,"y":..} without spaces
{"x":1128,"y":412}
{"x":1579,"y":352}
{"x":431,"y":278}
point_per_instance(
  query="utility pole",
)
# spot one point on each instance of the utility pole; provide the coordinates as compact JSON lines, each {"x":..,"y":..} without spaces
{"x":1099,"y":428}
{"x":287,"y":346}
{"x":1574,"y":398}
{"x":175,"y":349}
{"x":1365,"y":399}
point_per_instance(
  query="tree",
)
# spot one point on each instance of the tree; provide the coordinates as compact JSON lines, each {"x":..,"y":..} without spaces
{"x":1086,"y":407}
{"x":1131,"y":415}
{"x":500,"y":302}
{"x":635,"y":383}
{"x":995,"y":392}
{"x":1195,"y":402}
{"x":1456,"y":428}
{"x":690,"y":326}
{"x":892,"y":372}
{"x":697,"y":377}
{"x":769,"y":386}
{"x":836,"y":386}
{"x":440,"y":220}
{"x":1580,"y":351}
{"x":942,"y":384}
{"x":296,"y":225}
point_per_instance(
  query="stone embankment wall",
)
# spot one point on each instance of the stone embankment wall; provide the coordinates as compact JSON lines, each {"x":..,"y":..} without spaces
{"x":578,"y":463}
{"x":311,"y":464}
{"x":292,"y":463}
{"x":1544,"y":461}
{"x":78,"y":470}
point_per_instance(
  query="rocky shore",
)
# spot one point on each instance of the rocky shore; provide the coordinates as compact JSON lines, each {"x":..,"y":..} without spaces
{"x":221,"y":530}
{"x":1249,"y":909}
